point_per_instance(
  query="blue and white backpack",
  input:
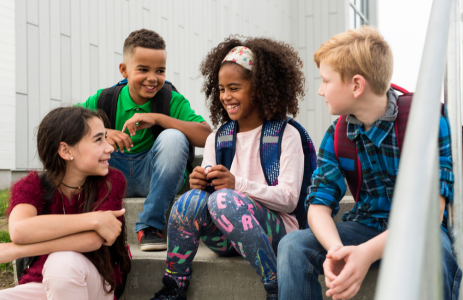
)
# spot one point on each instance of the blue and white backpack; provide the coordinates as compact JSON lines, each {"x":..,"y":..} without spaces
{"x":270,"y":151}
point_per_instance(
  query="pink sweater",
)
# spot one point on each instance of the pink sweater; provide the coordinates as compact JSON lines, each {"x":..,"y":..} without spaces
{"x":250,"y":178}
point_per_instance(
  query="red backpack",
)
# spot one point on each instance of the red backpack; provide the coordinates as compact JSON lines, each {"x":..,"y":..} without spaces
{"x":347,"y":149}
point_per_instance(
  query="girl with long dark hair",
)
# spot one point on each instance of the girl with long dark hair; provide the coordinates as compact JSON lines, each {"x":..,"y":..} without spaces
{"x":79,"y":237}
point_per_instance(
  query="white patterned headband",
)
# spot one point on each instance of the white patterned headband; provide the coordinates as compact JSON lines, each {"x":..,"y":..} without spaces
{"x":242,"y":56}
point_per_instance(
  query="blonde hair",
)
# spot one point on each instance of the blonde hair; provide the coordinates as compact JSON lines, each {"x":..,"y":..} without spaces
{"x":360,"y":51}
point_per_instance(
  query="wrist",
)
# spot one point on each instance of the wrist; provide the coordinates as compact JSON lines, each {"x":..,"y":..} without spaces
{"x":369,"y":253}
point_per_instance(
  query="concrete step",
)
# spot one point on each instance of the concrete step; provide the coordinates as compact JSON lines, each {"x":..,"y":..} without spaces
{"x":215,"y":277}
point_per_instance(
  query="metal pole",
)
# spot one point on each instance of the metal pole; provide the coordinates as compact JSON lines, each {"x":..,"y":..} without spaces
{"x":411,"y":265}
{"x":453,"y":99}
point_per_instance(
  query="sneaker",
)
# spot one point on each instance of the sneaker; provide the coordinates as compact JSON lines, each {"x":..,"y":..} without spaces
{"x":171,"y":290}
{"x":272,"y":290}
{"x":272,"y":296}
{"x":151,"y":239}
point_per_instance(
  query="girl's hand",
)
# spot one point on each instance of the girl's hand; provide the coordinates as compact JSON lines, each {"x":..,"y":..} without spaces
{"x":139,"y":122}
{"x":108,"y":226}
{"x":224,"y":179}
{"x":198,"y":178}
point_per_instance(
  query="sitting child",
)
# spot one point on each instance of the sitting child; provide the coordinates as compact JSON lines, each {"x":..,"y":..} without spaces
{"x":71,"y":216}
{"x":247,"y":84}
{"x":154,"y":159}
{"x":356,"y":69}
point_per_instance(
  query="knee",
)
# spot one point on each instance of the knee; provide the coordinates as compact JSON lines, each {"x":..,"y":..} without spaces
{"x":189,"y":203}
{"x":291,"y":248}
{"x":173,"y":139}
{"x":65,"y":264}
{"x":217,"y":200}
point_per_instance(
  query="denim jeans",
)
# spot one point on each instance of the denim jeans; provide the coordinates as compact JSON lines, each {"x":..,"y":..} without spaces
{"x":229,"y":223}
{"x":301,"y":257}
{"x":156,"y":174}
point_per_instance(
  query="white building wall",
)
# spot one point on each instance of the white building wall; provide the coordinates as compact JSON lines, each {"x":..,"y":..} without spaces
{"x":66,"y":50}
{"x":7,"y":90}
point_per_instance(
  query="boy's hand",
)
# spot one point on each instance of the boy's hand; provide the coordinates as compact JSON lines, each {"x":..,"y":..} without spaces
{"x":345,"y":269}
{"x":198,"y":178}
{"x":122,"y":139}
{"x":224,"y":179}
{"x":139,"y":122}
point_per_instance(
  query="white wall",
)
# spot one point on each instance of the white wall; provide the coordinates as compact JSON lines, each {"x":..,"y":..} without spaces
{"x":7,"y":84}
{"x":66,"y":50}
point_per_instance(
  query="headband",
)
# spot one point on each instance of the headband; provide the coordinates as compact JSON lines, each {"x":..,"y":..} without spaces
{"x":242,"y":56}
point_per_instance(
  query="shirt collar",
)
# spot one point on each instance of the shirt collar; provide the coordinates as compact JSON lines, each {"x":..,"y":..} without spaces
{"x":380,"y":128}
{"x":128,"y":104}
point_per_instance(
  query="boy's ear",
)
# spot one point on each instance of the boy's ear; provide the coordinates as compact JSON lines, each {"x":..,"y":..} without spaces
{"x":123,"y":69}
{"x":358,"y":85}
{"x":64,"y":151}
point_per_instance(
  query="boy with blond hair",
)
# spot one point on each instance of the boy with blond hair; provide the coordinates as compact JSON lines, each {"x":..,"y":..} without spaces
{"x":356,"y":70}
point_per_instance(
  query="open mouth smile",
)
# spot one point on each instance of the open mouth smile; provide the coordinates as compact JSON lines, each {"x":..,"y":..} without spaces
{"x":150,"y":88}
{"x":232,"y":108}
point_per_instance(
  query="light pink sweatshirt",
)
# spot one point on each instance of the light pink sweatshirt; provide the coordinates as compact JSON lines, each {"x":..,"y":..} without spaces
{"x":250,"y":178}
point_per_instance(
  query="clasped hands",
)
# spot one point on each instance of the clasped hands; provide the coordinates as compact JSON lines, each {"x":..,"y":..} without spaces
{"x":345,"y":269}
{"x":224,"y":179}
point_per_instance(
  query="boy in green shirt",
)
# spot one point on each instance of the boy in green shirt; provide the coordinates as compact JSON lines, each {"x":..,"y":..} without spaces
{"x":153,"y":166}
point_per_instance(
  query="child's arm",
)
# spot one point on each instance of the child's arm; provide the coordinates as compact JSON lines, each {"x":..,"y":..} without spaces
{"x":80,"y":242}
{"x":195,"y":132}
{"x":24,"y":218}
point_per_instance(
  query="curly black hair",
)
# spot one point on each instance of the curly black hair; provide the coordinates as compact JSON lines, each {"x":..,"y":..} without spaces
{"x":277,"y":78}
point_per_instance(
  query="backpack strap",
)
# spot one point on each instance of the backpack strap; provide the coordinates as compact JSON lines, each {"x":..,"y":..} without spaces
{"x":108,"y":102}
{"x":404,"y":103}
{"x":270,"y":149}
{"x":345,"y":151}
{"x":225,"y":144}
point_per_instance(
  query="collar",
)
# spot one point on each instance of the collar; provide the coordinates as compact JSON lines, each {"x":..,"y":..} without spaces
{"x":128,"y":104}
{"x":380,"y":128}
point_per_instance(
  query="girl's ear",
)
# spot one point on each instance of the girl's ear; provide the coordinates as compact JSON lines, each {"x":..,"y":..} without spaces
{"x":123,"y":69}
{"x":358,"y":85}
{"x":64,"y":151}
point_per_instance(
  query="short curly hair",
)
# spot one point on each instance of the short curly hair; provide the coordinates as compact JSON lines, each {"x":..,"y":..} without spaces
{"x":277,"y":78}
{"x":143,"y":38}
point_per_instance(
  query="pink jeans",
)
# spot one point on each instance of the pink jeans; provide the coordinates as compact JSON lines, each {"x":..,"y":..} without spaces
{"x":66,"y":275}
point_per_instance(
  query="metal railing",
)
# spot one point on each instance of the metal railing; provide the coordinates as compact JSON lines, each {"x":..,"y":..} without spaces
{"x":412,"y":262}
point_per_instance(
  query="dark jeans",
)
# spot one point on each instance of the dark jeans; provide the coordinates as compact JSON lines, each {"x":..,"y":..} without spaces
{"x":229,"y":223}
{"x":156,"y":174}
{"x":301,"y":257}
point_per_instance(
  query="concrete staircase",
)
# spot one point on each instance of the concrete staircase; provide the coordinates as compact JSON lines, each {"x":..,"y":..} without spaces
{"x":214,"y":277}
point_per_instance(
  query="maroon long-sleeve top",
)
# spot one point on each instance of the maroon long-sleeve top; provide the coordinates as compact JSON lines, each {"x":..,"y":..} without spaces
{"x":29,"y":190}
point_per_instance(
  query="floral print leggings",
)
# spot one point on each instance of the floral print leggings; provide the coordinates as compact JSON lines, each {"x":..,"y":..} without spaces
{"x":229,"y":223}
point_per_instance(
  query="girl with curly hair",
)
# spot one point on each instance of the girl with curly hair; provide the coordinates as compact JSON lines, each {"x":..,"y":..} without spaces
{"x":69,"y":220}
{"x":235,"y":211}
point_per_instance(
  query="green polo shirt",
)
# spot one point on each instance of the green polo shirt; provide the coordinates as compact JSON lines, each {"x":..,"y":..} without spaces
{"x":179,"y":109}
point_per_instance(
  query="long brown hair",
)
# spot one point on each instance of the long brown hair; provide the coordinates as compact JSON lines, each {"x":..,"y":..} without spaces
{"x":70,"y":125}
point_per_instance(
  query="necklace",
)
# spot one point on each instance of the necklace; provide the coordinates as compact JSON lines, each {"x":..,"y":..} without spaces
{"x":71,"y":187}
{"x":62,"y":198}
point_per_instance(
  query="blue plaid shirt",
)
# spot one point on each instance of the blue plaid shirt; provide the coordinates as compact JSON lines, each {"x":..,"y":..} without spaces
{"x":379,"y":156}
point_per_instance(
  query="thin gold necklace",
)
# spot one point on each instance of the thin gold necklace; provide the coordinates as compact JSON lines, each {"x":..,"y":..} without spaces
{"x":62,"y":199}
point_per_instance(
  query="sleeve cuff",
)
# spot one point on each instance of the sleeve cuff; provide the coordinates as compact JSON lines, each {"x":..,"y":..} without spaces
{"x":240,"y":184}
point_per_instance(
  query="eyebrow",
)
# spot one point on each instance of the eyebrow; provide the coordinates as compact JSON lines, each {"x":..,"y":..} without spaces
{"x":143,"y":66}
{"x":99,"y":134}
{"x":233,"y":83}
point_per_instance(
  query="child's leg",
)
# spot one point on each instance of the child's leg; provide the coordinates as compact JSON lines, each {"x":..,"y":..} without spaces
{"x":70,"y":275}
{"x":254,"y":230}
{"x":159,"y":176}
{"x":123,"y":163}
{"x":451,"y":272}
{"x":26,"y":291}
{"x":301,"y":257}
{"x":189,"y":222}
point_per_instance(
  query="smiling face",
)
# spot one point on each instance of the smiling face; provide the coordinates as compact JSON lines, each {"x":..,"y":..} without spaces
{"x":91,"y":154}
{"x":338,"y":95}
{"x":145,"y":70}
{"x":236,"y":95}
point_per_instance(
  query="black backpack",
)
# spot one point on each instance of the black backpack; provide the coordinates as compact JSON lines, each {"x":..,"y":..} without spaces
{"x":160,"y":103}
{"x":23,"y":263}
